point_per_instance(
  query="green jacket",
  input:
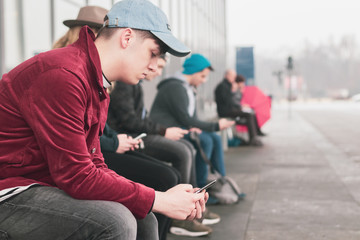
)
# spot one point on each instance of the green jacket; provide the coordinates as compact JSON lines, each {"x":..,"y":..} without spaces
{"x":109,"y":141}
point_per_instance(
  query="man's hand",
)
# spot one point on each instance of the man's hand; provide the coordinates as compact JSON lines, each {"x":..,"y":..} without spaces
{"x":180,"y":202}
{"x":126,"y":143}
{"x":224,"y":123}
{"x":175,"y":133}
{"x":194,"y":129}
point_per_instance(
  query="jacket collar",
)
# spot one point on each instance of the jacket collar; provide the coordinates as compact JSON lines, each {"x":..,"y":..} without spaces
{"x":86,"y":43}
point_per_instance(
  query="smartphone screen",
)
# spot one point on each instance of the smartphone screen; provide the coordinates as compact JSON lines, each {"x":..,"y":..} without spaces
{"x":206,"y":186}
{"x":140,"y":136}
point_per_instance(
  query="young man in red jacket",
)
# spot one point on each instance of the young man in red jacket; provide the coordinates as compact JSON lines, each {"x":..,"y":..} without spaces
{"x":54,"y":183}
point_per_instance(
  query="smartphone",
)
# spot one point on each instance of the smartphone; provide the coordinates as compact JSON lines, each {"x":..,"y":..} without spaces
{"x":206,"y":186}
{"x":140,"y":136}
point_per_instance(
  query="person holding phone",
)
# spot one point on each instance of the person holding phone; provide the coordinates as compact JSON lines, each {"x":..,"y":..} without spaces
{"x":119,"y":155}
{"x":127,"y":114}
{"x":118,"y":149}
{"x":137,"y":167}
{"x":175,"y":106}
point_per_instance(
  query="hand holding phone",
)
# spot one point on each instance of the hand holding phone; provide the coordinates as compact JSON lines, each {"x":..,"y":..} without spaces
{"x":206,"y":186}
{"x":142,"y":135}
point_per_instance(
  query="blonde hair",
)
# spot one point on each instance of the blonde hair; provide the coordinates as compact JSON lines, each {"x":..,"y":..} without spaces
{"x":71,"y":36}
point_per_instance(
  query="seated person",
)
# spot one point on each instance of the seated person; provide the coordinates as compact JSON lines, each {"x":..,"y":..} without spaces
{"x":240,"y":85}
{"x":127,"y":114}
{"x":175,"y":106}
{"x":138,"y":167}
{"x":228,"y":106}
{"x":134,"y":166}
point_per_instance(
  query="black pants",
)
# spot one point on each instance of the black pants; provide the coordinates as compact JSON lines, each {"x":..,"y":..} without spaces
{"x":250,"y":121}
{"x":146,"y":170}
{"x":180,"y":154}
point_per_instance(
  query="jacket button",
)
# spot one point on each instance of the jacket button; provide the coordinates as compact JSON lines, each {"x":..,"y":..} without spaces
{"x":93,"y":150}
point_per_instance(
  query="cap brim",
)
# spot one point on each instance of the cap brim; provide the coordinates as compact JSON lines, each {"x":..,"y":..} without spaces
{"x":176,"y":47}
{"x":73,"y":23}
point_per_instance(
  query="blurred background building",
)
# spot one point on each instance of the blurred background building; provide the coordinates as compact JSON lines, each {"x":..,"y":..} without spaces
{"x":30,"y":27}
{"x":326,"y":62}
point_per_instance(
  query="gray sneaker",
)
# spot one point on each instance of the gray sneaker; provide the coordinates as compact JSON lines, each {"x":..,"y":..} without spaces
{"x":209,"y":218}
{"x":189,"y":228}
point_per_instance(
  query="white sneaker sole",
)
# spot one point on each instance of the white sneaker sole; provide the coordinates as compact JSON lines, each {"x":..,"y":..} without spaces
{"x":183,"y":232}
{"x":210,"y":221}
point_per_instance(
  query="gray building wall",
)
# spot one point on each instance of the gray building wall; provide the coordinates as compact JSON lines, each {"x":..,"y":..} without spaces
{"x":29,"y":27}
{"x":201,"y":25}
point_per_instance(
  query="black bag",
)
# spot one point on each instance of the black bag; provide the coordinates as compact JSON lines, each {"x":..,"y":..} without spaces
{"x":226,"y":190}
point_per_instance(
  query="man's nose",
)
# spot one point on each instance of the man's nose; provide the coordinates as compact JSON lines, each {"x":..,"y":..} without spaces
{"x":153,"y":65}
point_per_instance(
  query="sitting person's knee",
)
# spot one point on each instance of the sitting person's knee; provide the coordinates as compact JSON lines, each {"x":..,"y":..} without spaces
{"x":148,"y":227}
{"x":117,"y":221}
{"x":205,"y":139}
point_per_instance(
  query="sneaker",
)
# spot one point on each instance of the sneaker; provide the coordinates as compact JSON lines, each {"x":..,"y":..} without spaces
{"x":189,"y":228}
{"x":209,"y":218}
{"x":255,"y":143}
{"x":261,"y":134}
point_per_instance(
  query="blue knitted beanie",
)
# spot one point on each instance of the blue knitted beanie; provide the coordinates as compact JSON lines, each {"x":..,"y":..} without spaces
{"x":196,"y":63}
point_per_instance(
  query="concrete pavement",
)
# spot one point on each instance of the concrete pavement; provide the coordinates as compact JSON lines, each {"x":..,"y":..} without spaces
{"x":303,"y":184}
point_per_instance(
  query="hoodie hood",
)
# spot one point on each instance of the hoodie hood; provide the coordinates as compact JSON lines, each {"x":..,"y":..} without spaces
{"x":167,"y":81}
{"x":177,"y":78}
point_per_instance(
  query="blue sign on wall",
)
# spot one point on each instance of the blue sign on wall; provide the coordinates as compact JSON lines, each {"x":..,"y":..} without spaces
{"x":245,"y":63}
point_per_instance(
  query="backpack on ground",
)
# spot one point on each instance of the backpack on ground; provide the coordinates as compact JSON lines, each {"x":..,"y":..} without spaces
{"x":226,"y":190}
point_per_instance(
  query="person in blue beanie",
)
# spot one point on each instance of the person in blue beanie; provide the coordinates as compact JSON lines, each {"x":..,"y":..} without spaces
{"x":175,"y":106}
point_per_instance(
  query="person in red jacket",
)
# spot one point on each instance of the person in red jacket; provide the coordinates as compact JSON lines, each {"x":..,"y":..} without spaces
{"x":54,"y":183}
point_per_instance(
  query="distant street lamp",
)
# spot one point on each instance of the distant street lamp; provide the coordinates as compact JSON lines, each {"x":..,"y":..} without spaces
{"x":289,"y":67}
{"x":278,"y":74}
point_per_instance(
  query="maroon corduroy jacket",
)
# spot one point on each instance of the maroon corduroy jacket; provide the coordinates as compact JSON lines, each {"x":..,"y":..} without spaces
{"x":53,"y":108}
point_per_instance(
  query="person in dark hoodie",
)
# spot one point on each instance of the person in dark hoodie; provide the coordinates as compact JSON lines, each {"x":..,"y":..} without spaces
{"x":175,"y":106}
{"x":127,"y":114}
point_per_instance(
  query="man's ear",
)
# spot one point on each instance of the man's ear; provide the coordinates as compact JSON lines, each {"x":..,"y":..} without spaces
{"x":126,"y":37}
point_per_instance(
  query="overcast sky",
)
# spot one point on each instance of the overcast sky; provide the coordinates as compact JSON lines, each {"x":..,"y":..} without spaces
{"x":272,"y":25}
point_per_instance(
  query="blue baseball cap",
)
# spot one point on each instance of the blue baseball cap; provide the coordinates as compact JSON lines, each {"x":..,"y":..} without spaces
{"x":196,"y":63}
{"x":143,"y":15}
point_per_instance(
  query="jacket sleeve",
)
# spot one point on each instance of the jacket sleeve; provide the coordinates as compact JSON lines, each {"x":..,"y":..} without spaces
{"x":109,"y":141}
{"x":123,"y":115}
{"x":55,"y":110}
{"x":178,"y":102}
{"x":224,"y":102}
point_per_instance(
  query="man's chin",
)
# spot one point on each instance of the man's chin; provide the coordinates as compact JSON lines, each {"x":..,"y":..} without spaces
{"x":130,"y":81}
{"x":136,"y":81}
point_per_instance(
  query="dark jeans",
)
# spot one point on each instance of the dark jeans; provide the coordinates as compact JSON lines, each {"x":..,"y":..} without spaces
{"x":143,"y":169}
{"x":148,"y":171}
{"x":180,"y":154}
{"x":212,"y":146}
{"x":48,"y":213}
{"x":249,"y":120}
